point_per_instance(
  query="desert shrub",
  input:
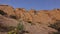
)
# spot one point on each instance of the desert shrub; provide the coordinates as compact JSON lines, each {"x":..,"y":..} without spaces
{"x":20,"y":26}
{"x":56,"y":32}
{"x":56,"y":25}
{"x":14,"y":30}
{"x":19,"y":29}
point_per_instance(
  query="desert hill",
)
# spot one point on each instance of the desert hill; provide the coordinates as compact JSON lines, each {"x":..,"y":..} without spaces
{"x":40,"y":19}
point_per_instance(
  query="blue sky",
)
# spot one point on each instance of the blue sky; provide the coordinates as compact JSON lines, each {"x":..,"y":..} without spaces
{"x":33,"y":4}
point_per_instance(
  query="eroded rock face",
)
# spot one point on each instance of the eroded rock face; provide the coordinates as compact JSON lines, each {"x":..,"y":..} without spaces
{"x":38,"y":29}
{"x":8,"y":21}
{"x":19,"y":12}
{"x":7,"y":9}
{"x":46,"y":17}
{"x":41,"y":19}
{"x":55,"y":14}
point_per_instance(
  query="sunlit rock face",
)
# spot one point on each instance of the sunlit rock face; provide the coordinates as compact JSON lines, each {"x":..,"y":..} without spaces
{"x":23,"y":14}
{"x":55,"y":13}
{"x":19,"y":12}
{"x":45,"y":17}
{"x":34,"y":21}
{"x":32,"y":13}
{"x":7,"y":9}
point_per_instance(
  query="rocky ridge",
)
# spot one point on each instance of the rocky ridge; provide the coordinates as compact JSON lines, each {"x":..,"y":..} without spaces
{"x":40,"y":19}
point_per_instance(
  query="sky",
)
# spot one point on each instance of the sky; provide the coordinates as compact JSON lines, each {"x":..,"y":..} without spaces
{"x":33,"y":4}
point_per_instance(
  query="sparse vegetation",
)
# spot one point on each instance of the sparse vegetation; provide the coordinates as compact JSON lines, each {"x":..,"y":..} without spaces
{"x":56,"y":32}
{"x":56,"y":26}
{"x":19,"y":29}
{"x":13,"y":30}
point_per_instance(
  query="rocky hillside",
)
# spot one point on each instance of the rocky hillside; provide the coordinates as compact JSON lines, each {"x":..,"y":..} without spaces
{"x":34,"y":21}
